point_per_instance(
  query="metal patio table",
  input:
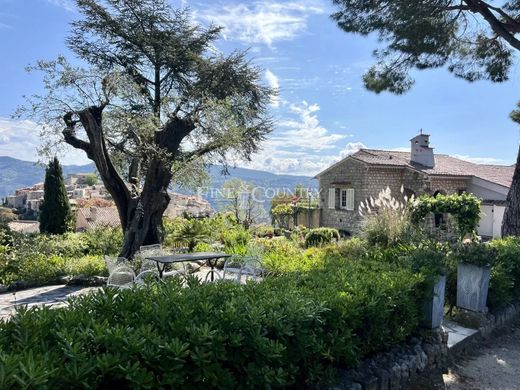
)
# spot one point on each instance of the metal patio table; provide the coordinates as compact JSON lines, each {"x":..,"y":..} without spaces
{"x":210,"y":258}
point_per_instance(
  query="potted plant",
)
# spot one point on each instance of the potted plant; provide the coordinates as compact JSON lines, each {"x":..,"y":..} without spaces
{"x":431,"y":262}
{"x":473,"y":272}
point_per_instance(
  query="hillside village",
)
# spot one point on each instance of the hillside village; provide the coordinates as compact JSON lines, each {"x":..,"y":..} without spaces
{"x":91,"y":203}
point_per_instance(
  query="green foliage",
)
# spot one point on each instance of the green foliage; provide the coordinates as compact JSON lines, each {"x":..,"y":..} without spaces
{"x":464,"y":208}
{"x":7,"y":215}
{"x":295,"y":330}
{"x":235,"y":240}
{"x":482,"y":255}
{"x":428,"y":259}
{"x":55,"y":212}
{"x":91,"y":179}
{"x":321,"y":236}
{"x":86,"y":266}
{"x":40,"y":259}
{"x":432,"y":34}
{"x":504,"y":285}
{"x":263,"y":231}
{"x":191,"y":232}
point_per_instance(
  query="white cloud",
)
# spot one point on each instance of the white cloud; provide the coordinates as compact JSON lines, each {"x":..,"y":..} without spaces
{"x":276,"y":160}
{"x":21,"y":139}
{"x":265,"y":21}
{"x":351,"y":148}
{"x":483,"y":160}
{"x":274,"y":83}
{"x":305,"y":132}
{"x":67,"y":5}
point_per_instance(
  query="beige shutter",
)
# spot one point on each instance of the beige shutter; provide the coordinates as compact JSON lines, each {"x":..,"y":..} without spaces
{"x":350,"y":198}
{"x":332,"y":198}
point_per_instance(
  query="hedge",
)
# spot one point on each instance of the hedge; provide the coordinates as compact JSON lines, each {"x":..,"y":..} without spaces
{"x":291,"y":330}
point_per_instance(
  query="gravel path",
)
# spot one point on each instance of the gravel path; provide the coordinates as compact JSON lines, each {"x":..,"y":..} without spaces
{"x":496,"y":365}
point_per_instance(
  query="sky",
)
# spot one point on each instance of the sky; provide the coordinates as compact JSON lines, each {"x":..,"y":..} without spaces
{"x":322,"y":112}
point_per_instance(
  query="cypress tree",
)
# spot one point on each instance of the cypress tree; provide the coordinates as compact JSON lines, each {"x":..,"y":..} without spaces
{"x":55,"y":212}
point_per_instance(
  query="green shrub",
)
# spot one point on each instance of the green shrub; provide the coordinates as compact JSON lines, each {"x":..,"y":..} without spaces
{"x":264,"y":231}
{"x":481,"y":255}
{"x":235,"y":240}
{"x":86,"y":266}
{"x":40,"y":269}
{"x":464,"y":208}
{"x":285,"y":331}
{"x":504,"y":285}
{"x":321,"y":236}
{"x":354,"y":249}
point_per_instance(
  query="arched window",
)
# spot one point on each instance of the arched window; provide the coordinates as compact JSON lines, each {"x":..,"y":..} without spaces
{"x":439,"y":218}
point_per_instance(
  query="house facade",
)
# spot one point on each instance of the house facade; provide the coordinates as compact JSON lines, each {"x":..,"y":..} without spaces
{"x":364,"y":174}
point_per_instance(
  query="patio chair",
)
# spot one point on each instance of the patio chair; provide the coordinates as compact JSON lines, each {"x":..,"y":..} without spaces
{"x":112,"y":262}
{"x":148,"y":268}
{"x":233,"y":268}
{"x":122,"y":276}
{"x":252,"y":269}
{"x":216,"y":275}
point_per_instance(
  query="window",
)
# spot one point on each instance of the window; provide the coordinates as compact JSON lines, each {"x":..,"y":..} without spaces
{"x":332,"y":198}
{"x":347,"y":199}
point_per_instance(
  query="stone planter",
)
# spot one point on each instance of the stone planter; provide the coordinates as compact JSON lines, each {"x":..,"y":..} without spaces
{"x":472,"y":287}
{"x":433,"y":309}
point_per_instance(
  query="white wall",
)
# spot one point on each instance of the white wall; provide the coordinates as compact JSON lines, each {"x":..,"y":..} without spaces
{"x":486,"y":190}
{"x":491,"y":221}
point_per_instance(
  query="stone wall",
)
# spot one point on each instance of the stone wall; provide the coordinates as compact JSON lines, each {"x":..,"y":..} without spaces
{"x":447,"y":185}
{"x":407,"y":365}
{"x":351,"y":174}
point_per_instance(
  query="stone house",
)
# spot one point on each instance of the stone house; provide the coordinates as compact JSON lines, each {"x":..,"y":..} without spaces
{"x":365,"y":173}
{"x":91,"y":218}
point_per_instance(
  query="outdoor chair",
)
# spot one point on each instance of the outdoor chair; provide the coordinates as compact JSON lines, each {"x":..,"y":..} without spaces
{"x":252,"y":268}
{"x":149,"y":267}
{"x":122,"y":276}
{"x":112,"y":262}
{"x":233,"y":268}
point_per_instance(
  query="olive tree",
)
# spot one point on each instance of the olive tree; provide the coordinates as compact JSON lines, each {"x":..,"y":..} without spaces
{"x":148,"y":98}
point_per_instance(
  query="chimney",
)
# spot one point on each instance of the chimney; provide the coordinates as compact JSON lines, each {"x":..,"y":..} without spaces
{"x":421,"y":153}
{"x":93,"y":214}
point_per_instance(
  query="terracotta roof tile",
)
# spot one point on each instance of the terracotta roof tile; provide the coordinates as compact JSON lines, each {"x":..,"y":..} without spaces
{"x":444,"y":165}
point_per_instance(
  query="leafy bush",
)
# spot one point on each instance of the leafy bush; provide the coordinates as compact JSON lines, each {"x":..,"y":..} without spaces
{"x":354,"y":249}
{"x":86,"y":266}
{"x":321,"y":236}
{"x":504,"y":285}
{"x":464,"y":208}
{"x":40,"y":259}
{"x":295,"y":330}
{"x":264,"y":231}
{"x":481,"y":255}
{"x":235,"y":240}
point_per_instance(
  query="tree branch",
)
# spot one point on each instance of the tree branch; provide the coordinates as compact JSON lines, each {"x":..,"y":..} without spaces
{"x":496,"y":25}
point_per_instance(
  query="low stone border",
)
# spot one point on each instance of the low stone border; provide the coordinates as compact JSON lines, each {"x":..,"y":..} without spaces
{"x":401,"y":367}
{"x":485,"y":324}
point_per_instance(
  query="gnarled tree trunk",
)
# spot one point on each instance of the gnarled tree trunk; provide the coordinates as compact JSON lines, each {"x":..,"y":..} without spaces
{"x":141,"y":212}
{"x":511,"y":222}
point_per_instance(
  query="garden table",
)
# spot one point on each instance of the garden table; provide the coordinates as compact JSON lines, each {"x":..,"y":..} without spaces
{"x":210,"y":258}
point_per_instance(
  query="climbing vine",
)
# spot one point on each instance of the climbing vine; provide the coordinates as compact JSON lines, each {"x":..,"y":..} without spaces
{"x":465,"y":209}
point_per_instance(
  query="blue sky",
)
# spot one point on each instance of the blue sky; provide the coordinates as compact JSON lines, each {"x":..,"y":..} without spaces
{"x":322,"y":112}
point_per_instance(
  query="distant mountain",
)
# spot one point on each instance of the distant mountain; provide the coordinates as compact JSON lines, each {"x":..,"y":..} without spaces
{"x":16,"y":174}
